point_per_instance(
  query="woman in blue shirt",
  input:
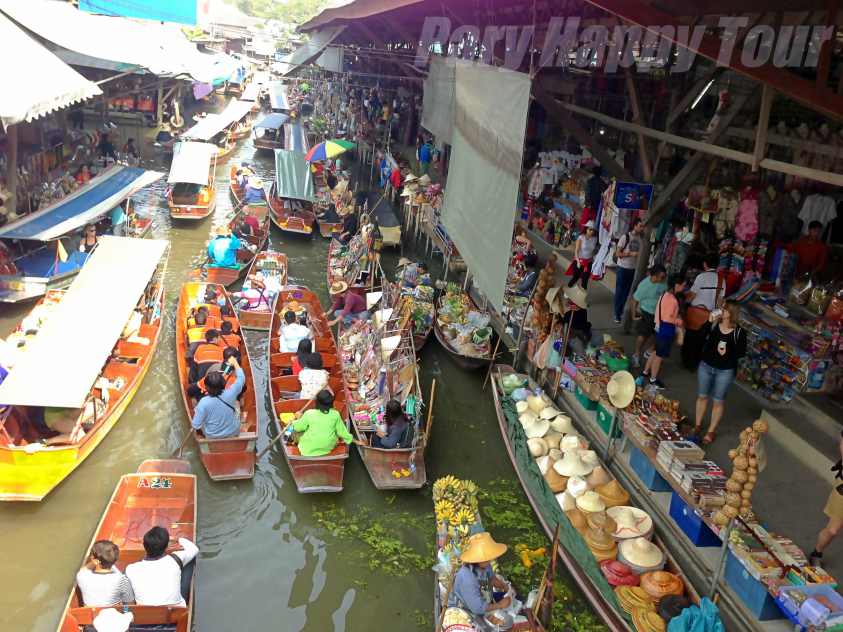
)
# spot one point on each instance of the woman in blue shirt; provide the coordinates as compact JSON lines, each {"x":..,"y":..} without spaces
{"x":475,"y":584}
{"x":396,"y":424}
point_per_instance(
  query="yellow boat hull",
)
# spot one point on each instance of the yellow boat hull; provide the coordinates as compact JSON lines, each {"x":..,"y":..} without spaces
{"x":31,"y":476}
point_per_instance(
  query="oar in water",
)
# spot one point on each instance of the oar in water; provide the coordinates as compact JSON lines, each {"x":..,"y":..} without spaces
{"x":178,"y":451}
{"x":281,"y":434}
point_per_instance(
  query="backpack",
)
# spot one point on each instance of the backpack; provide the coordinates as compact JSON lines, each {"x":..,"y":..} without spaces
{"x":407,"y":437}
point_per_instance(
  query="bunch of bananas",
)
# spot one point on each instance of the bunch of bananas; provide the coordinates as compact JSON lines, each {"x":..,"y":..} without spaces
{"x":444,"y":510}
{"x":457,"y":491}
{"x":463,"y":519}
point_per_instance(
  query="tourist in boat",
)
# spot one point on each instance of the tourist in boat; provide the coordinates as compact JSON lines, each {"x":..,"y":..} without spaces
{"x":217,"y":415}
{"x":254,"y":191}
{"x":321,"y":427}
{"x":198,"y":390}
{"x":222,"y":251}
{"x":292,"y":333}
{"x":157,"y":579}
{"x":475,"y":579}
{"x":100,"y":581}
{"x":106,"y":147}
{"x":347,"y":306}
{"x":313,"y":378}
{"x":396,"y":425}
{"x":300,"y":359}
{"x":197,"y":325}
{"x":228,"y":336}
{"x":252,"y":222}
{"x":67,"y":423}
{"x":89,"y":239}
{"x":201,"y":355}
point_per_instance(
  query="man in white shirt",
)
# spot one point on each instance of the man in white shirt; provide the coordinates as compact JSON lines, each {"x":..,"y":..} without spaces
{"x":703,"y":294}
{"x":292,"y":333}
{"x":156,"y":579}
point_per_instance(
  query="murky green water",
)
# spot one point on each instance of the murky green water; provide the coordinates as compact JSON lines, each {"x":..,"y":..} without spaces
{"x":265,"y":562}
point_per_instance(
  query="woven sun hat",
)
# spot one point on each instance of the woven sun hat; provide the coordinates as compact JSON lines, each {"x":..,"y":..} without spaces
{"x":659,"y":584}
{"x":338,"y":287}
{"x":255,"y":182}
{"x":631,"y":522}
{"x":537,"y":428}
{"x":641,"y":555}
{"x":549,"y":413}
{"x":408,"y":192}
{"x":572,"y":465}
{"x":590,"y":502}
{"x":621,"y":389}
{"x":613,"y":494}
{"x":403,"y":261}
{"x":618,"y":573}
{"x":570,"y":442}
{"x":599,"y":476}
{"x":521,"y":407}
{"x":590,"y":457}
{"x":562,"y":423}
{"x":576,"y":486}
{"x":577,"y":295}
{"x":646,"y":620}
{"x":482,"y":548}
{"x":552,"y":298}
{"x":425,"y":180}
{"x":410,"y":177}
{"x":566,"y":501}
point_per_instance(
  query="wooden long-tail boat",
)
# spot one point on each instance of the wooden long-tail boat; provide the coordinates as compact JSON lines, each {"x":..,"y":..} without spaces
{"x":226,"y":148}
{"x":110,"y":359}
{"x":242,"y":130}
{"x":193,"y":190}
{"x":515,"y":441}
{"x":229,"y":458}
{"x":291,"y":216}
{"x":463,"y":360}
{"x":161,"y":494}
{"x":375,"y":350}
{"x":353,"y":263}
{"x":315,"y":473}
{"x":272,"y":266}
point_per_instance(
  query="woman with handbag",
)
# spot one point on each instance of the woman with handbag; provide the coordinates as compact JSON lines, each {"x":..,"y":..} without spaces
{"x":724,"y":346}
{"x":668,"y":324}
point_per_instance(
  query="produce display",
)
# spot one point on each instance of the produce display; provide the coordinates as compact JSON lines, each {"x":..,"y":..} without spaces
{"x":466,"y":329}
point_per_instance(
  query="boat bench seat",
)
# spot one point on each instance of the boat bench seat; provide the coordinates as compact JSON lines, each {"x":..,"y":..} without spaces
{"x":285,"y":360}
{"x":144,"y":615}
{"x":340,"y":450}
{"x":126,"y":349}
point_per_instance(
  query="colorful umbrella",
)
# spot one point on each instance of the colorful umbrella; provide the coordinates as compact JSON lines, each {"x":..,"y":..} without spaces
{"x":327,"y":150}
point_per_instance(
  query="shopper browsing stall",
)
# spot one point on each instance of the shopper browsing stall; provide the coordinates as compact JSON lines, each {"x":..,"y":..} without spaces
{"x":723,"y":347}
{"x":628,"y":248}
{"x":584,"y":250}
{"x":644,"y":301}
{"x":668,"y":322}
{"x":833,"y":509}
{"x":701,"y":300}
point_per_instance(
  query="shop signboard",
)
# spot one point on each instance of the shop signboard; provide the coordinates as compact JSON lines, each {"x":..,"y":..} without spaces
{"x":179,"y":11}
{"x":633,"y":196}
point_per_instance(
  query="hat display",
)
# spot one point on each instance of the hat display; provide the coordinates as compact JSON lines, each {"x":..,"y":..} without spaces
{"x":555,"y":480}
{"x":566,"y":501}
{"x":572,"y":465}
{"x":410,"y":177}
{"x":601,"y":545}
{"x":549,"y":412}
{"x":576,"y":486}
{"x":562,"y":423}
{"x":590,"y":457}
{"x":570,"y":443}
{"x":641,"y":555}
{"x":552,"y":438}
{"x":554,"y":453}
{"x":544,"y":463}
{"x":577,"y":295}
{"x":600,"y":520}
{"x":536,"y":403}
{"x":578,"y":520}
{"x":536,"y":429}
{"x":337,"y":287}
{"x":646,"y":620}
{"x":528,"y":417}
{"x":659,"y":584}
{"x":631,"y":522}
{"x":482,"y":548}
{"x":599,"y":476}
{"x":521,"y":407}
{"x":552,"y":298}
{"x":613,"y":494}
{"x":621,"y":389}
{"x":537,"y":447}
{"x":425,"y":180}
{"x":618,"y":573}
{"x":590,"y":502}
{"x":634,"y":598}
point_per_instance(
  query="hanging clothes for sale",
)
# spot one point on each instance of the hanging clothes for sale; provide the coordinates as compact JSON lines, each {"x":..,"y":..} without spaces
{"x":535,"y":181}
{"x":817,"y":208}
{"x":746,"y":223}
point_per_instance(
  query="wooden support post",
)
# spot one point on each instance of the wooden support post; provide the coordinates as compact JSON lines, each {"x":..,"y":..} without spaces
{"x":767,"y":95}
{"x":159,"y":104}
{"x":12,"y":168}
{"x":636,"y":118}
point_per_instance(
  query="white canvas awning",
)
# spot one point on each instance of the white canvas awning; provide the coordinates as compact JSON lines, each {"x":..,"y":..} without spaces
{"x":37,"y":82}
{"x":191,"y":162}
{"x":213,"y":124}
{"x":236,"y":110}
{"x":308,"y":52}
{"x":64,"y":360}
{"x":251,"y":92}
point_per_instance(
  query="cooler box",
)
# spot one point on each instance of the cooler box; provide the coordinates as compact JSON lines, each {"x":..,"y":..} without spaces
{"x":751,"y":591}
{"x":585,"y":402}
{"x":604,"y":420}
{"x":691,"y":524}
{"x":645,"y":470}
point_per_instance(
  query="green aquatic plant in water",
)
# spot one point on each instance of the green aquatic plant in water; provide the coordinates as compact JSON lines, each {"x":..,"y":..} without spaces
{"x":508,"y":515}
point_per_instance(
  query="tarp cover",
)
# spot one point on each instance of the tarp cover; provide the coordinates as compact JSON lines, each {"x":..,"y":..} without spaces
{"x":84,"y":205}
{"x":38,"y":82}
{"x":307,"y":52}
{"x":292,"y":176}
{"x":331,"y":59}
{"x":278,"y":96}
{"x":272,"y":121}
{"x":490,"y":117}
{"x":438,"y":102}
{"x":181,"y":11}
{"x":354,"y":10}
{"x":191,"y":162}
{"x":64,"y":360}
{"x":295,"y":138}
{"x":251,"y":92}
{"x":213,"y":124}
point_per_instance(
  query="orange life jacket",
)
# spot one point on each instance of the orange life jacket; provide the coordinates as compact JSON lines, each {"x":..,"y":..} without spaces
{"x":207,"y":352}
{"x":230,"y":340}
{"x":229,"y":380}
{"x":235,"y":324}
{"x":214,"y":311}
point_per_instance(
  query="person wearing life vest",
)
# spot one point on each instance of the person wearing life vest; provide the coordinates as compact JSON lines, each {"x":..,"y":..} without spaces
{"x":201,"y":355}
{"x":227,"y":316}
{"x":198,"y":390}
{"x":229,"y":337}
{"x":204,"y":195}
{"x":197,"y":325}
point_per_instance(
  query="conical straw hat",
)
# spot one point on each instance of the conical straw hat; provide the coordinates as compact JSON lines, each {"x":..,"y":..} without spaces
{"x":482,"y":548}
{"x":621,"y":389}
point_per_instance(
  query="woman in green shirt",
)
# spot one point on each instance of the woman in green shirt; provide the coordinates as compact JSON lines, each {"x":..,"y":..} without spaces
{"x":321,"y":427}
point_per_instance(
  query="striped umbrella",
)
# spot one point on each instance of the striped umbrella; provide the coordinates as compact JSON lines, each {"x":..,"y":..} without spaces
{"x":328,"y":149}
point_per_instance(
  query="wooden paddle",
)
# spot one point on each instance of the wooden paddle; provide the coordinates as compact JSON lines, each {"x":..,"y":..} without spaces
{"x":281,"y":434}
{"x":178,"y":451}
{"x":492,"y":362}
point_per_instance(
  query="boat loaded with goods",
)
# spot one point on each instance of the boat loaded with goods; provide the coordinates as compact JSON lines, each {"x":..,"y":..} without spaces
{"x":462,"y":329}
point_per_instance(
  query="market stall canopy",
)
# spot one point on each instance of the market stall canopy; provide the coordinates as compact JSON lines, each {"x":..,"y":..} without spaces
{"x":84,"y":205}
{"x":191,"y":162}
{"x":292,"y":176}
{"x":272,"y":121}
{"x":251,"y":92}
{"x":354,"y":10}
{"x":308,"y":52}
{"x":37,"y":82}
{"x":261,"y":77}
{"x":116,"y":43}
{"x":278,"y":96}
{"x":295,"y":138}
{"x":213,"y":124}
{"x":83,"y":327}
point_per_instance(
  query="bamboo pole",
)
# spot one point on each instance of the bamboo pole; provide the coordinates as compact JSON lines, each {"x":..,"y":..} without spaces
{"x":429,"y":423}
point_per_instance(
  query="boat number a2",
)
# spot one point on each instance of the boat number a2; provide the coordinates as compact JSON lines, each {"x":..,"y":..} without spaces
{"x":156,"y":482}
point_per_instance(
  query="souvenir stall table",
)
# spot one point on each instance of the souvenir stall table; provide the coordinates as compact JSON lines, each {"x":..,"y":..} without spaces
{"x":789,"y":347}
{"x":768,"y":572}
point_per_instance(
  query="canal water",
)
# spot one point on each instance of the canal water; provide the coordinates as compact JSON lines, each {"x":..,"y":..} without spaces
{"x":271,"y":559}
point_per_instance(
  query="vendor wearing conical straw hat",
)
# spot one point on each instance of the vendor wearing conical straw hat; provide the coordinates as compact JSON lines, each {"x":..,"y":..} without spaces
{"x":475,"y":584}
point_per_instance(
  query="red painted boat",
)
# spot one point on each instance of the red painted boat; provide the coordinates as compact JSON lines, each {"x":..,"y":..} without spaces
{"x":291,"y":216}
{"x":311,"y":474}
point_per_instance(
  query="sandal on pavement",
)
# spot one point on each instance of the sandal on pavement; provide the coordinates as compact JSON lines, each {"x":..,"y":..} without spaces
{"x":709,"y":438}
